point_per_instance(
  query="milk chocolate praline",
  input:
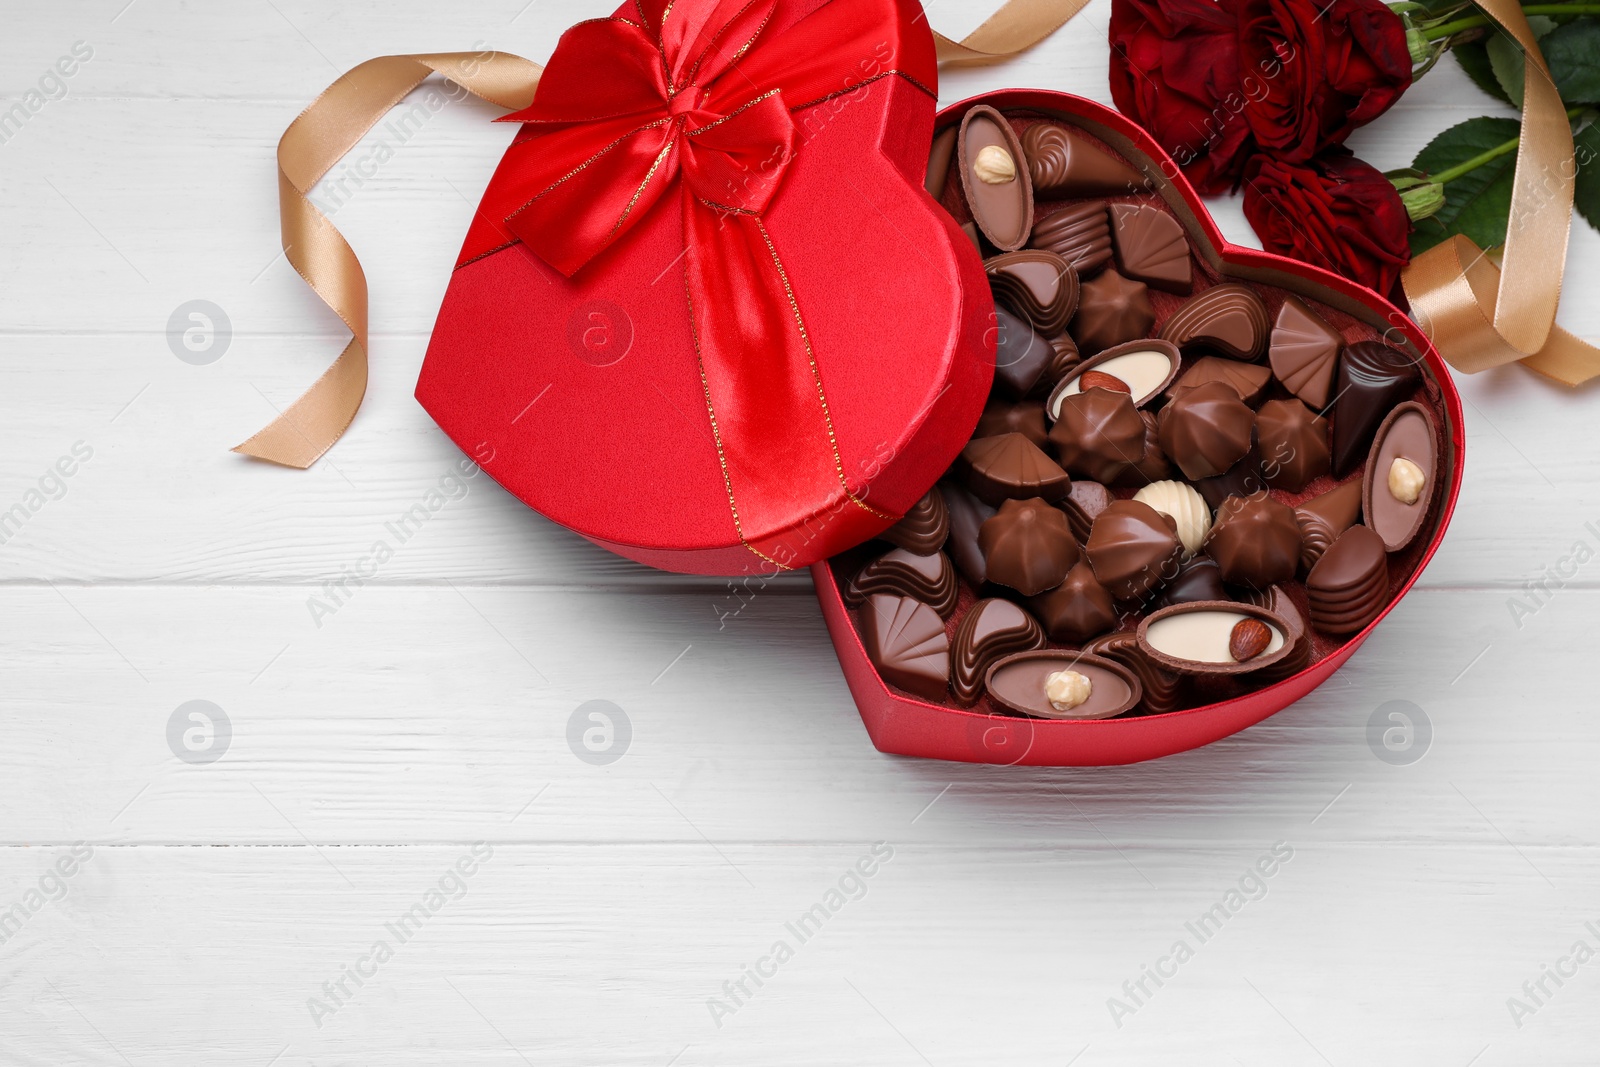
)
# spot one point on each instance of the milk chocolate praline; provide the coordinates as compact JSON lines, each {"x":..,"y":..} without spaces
{"x":1372,"y":379}
{"x":1407,"y":436}
{"x":1010,"y":467}
{"x":1226,"y":617}
{"x":1001,"y":417}
{"x":1206,"y":430}
{"x":906,"y":641}
{"x":1077,"y":609}
{"x":1163,"y":689}
{"x":1028,"y":546}
{"x":1256,"y":541}
{"x":1098,"y":435}
{"x":967,"y":516}
{"x":1112,"y":310}
{"x":928,"y":578}
{"x":1018,"y":683}
{"x":990,"y":631}
{"x":1349,"y":586}
{"x":1021,"y":356}
{"x":924,"y":529}
{"x":1293,"y":442}
{"x":1133,"y":549}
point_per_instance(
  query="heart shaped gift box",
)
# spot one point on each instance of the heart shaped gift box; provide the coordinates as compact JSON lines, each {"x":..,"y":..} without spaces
{"x":707,"y":316}
{"x":901,"y":723}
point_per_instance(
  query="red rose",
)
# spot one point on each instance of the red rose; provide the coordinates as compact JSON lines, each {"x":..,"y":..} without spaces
{"x":1174,"y":71}
{"x":1334,"y":212}
{"x":1312,"y":73}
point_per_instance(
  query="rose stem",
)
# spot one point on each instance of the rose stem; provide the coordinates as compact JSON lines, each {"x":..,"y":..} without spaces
{"x":1488,"y":157}
{"x":1475,"y":22}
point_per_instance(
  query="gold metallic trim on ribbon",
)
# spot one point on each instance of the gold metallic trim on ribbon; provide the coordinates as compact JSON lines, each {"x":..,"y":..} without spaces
{"x":1480,"y":315}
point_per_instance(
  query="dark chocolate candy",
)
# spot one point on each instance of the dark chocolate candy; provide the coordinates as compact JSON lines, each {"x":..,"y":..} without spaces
{"x":994,"y":176}
{"x":967,"y":516}
{"x":925,"y":527}
{"x":1229,"y":319}
{"x":1323,"y":518}
{"x":1206,"y":430}
{"x":944,"y":150}
{"x":1039,"y":286}
{"x":1064,"y":164}
{"x":1249,"y":380}
{"x":1152,"y":247}
{"x":930,"y":579}
{"x":1198,"y":580}
{"x":905,"y":640}
{"x":990,"y":631}
{"x":1021,"y":355}
{"x":1077,"y":609}
{"x":1372,"y":379}
{"x":1402,"y":473}
{"x":1145,"y":367}
{"x":1293,"y":443}
{"x":1028,"y":546}
{"x":1133,"y":549}
{"x":1011,"y":467}
{"x":1027,"y":682}
{"x":1025,"y":417}
{"x":1256,"y":541}
{"x":1244,"y":478}
{"x":1112,"y":310}
{"x":1305,"y":352}
{"x":1084,"y":503}
{"x":1098,"y":434}
{"x":1079,"y":234}
{"x":1163,"y":689}
{"x":1215,"y":638}
{"x":1349,"y":586}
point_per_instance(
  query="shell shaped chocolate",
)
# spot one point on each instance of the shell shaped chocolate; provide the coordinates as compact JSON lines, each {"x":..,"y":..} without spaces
{"x":1041,"y":287}
{"x":1079,"y":234}
{"x":990,"y":631}
{"x":906,"y":641}
{"x":1151,"y":246}
{"x":1064,"y":163}
{"x":1206,"y":430}
{"x":1185,"y":505}
{"x":924,"y":529}
{"x":1349,"y":586}
{"x":928,"y":578}
{"x":1133,"y":549}
{"x":1028,"y":546}
{"x":1230,"y":319}
{"x":1098,"y":434}
{"x":1256,"y":541}
{"x":1305,"y":352}
{"x":1011,"y":467}
{"x":1293,"y":441}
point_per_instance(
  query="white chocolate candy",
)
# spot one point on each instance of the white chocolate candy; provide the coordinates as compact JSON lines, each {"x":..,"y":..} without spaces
{"x":1406,"y":481}
{"x":994,"y":166}
{"x":1203,"y":636}
{"x":1067,"y":690}
{"x":1186,"y":506}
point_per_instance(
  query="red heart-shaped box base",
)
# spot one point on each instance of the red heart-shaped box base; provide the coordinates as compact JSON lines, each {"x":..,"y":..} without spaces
{"x":905,"y":725}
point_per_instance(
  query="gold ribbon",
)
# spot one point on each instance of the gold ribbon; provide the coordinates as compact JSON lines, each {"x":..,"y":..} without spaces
{"x":1480,"y":315}
{"x":351,"y":106}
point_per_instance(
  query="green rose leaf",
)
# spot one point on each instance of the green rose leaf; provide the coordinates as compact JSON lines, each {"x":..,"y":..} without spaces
{"x":1474,"y":59}
{"x":1477,"y":204}
{"x":1573,"y":52}
{"x":1507,"y":61}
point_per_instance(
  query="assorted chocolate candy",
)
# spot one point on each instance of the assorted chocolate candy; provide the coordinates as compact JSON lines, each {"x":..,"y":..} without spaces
{"x":1182,"y":488}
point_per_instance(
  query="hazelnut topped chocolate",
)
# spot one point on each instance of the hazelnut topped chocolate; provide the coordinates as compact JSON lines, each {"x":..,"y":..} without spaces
{"x":994,"y":176}
{"x":1063,"y":685}
{"x":1402,"y":473}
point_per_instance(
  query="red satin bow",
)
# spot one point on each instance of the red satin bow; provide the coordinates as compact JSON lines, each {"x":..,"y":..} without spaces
{"x":697,"y":96}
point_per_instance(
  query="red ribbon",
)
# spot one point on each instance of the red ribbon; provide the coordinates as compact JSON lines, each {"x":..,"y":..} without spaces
{"x":696,"y":98}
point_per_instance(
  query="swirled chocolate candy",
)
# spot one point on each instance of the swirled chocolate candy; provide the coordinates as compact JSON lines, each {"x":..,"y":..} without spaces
{"x":1133,"y":549}
{"x":1066,"y":359}
{"x":1163,"y":689}
{"x":1112,"y":310}
{"x":1323,"y":518}
{"x":1372,"y":379}
{"x":1010,"y":467}
{"x":1206,"y":430}
{"x":1079,"y":234}
{"x":994,"y":175}
{"x":1295,"y":633}
{"x":1402,"y":473}
{"x":1025,"y":417}
{"x":1077,"y":609}
{"x":1349,"y":586}
{"x":1144,"y":368}
{"x":1028,"y":546}
{"x":1064,"y":164}
{"x":905,"y":640}
{"x":930,"y":579}
{"x":1039,"y":286}
{"x":1152,"y":247}
{"x":1214,"y":638}
{"x":925,"y":527}
{"x":1249,"y":380}
{"x":967,"y":516}
{"x":944,"y":150}
{"x":1186,"y":507}
{"x":1230,"y":319}
{"x":1256,"y":541}
{"x":1020,"y":355}
{"x":1198,"y":580}
{"x":1293,"y":442}
{"x":1098,"y":434}
{"x":1083,"y":505}
{"x":1305,"y":352}
{"x":1063,"y":685}
{"x":989,"y":632}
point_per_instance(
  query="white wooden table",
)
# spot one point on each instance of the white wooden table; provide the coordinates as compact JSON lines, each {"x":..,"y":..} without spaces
{"x":208,"y":909}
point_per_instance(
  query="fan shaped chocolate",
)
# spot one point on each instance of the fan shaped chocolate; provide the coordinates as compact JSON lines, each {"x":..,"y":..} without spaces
{"x":989,"y":632}
{"x":1010,"y":467}
{"x":1230,"y":319}
{"x":994,"y":176}
{"x":1079,"y":234}
{"x":905,"y":640}
{"x":1039,"y":286}
{"x":1305,"y":352}
{"x":1323,"y":518}
{"x":1256,"y":541}
{"x":1021,"y":355}
{"x":1063,"y":163}
{"x":1028,"y":546}
{"x":1133,"y":549}
{"x":925,"y":527}
{"x":1401,"y":476}
{"x":1077,"y":609}
{"x":1214,"y":638}
{"x":1084,"y":503}
{"x":1144,"y":367}
{"x":1206,"y":430}
{"x":1151,"y":246}
{"x":1057,"y":684}
{"x":1373,"y":377}
{"x":1112,"y":310}
{"x":967,"y":516}
{"x":1293,"y":442}
{"x":1349,"y":586}
{"x":930,"y":579}
{"x":1163,"y":689}
{"x":1249,"y":380}
{"x":1098,"y":434}
{"x":1025,"y":417}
